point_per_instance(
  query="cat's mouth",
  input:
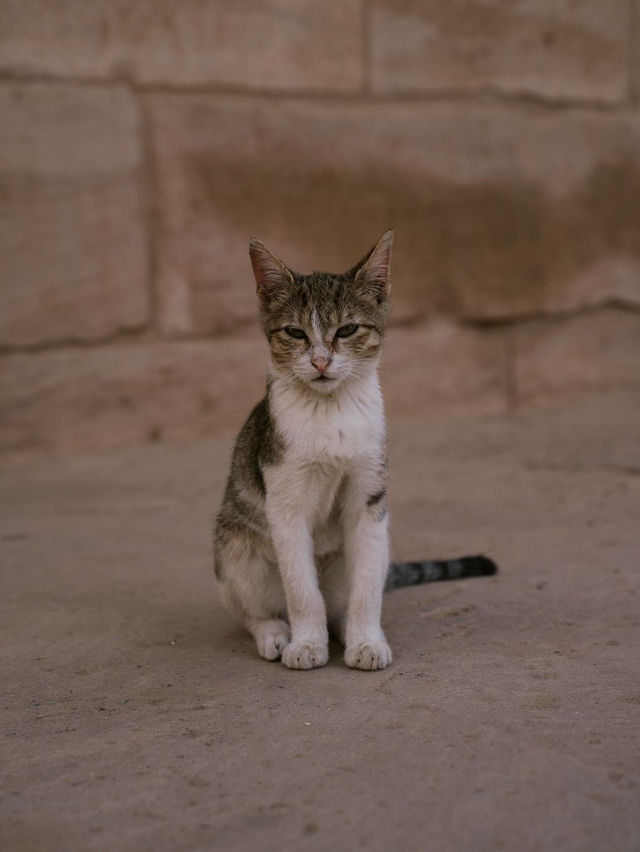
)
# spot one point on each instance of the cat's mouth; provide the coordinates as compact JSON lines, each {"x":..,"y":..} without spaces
{"x":324,"y":384}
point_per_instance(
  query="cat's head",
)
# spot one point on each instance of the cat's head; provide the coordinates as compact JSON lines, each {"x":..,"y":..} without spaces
{"x":324,"y":330}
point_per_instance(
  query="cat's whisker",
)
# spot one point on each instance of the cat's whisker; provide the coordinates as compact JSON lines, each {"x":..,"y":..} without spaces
{"x":389,"y":376}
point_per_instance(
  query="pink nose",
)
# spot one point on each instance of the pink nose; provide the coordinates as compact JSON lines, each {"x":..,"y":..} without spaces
{"x":320,"y":362}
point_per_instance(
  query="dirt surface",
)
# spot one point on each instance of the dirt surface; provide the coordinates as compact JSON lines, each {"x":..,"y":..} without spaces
{"x":137,"y":715}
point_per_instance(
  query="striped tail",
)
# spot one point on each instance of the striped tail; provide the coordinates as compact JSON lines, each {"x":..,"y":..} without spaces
{"x":413,"y":573}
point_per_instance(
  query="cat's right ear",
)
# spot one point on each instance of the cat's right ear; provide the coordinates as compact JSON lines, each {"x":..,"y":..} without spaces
{"x":273,"y":279}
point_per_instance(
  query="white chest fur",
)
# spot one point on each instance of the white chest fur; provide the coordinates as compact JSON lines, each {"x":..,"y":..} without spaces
{"x":330,"y":429}
{"x":329,"y":441}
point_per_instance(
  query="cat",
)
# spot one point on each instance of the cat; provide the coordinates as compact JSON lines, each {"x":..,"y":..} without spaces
{"x":301,"y":541}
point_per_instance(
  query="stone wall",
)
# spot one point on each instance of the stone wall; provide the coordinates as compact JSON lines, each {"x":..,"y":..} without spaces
{"x":142,"y":144}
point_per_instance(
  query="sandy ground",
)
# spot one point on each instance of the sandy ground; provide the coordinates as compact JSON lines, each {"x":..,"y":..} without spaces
{"x":137,"y":715}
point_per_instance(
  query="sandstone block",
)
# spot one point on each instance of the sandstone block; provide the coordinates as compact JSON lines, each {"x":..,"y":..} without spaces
{"x":72,"y":399}
{"x":72,"y":235}
{"x":597,"y":351}
{"x":553,"y":49}
{"x":499,"y":211}
{"x":291,"y":44}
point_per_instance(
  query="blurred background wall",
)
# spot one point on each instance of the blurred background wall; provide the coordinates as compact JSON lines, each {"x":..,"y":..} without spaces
{"x":142,"y":143}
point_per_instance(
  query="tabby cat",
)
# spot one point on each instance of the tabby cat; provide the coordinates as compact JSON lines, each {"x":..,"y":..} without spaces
{"x":301,"y":540}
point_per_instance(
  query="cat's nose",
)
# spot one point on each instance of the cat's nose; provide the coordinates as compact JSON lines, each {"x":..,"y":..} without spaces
{"x":321,"y":362}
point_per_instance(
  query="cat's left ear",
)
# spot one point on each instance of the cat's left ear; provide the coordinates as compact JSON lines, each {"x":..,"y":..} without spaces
{"x":373,"y":273}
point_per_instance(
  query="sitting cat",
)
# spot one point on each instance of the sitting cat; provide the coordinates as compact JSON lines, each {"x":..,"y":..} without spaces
{"x":301,"y":540}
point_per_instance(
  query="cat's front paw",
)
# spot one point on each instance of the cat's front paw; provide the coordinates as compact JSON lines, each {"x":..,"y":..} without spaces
{"x":368,"y":656}
{"x":305,"y":655}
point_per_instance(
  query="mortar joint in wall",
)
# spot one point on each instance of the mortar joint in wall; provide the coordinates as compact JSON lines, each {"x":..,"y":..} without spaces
{"x":150,"y":201}
{"x":634,"y":52}
{"x":489,"y":95}
{"x":367,"y":36}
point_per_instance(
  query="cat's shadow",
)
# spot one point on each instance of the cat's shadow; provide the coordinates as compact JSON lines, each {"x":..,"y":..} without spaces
{"x":194,"y":625}
{"x":209,"y":628}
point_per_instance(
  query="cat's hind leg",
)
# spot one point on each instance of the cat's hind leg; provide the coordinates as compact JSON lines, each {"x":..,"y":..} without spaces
{"x":251,"y":587}
{"x":272,"y":636}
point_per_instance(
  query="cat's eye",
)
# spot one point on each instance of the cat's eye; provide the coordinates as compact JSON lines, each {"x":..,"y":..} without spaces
{"x":292,"y":331}
{"x":347,"y":330}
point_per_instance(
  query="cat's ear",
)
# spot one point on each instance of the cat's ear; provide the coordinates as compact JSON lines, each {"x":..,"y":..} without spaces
{"x":272,"y":276}
{"x":373,"y":273}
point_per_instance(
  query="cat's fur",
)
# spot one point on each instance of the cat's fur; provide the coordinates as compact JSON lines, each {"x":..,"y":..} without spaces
{"x":301,"y":539}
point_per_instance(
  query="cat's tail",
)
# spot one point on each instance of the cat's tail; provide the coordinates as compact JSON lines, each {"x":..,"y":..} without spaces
{"x":413,"y":573}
